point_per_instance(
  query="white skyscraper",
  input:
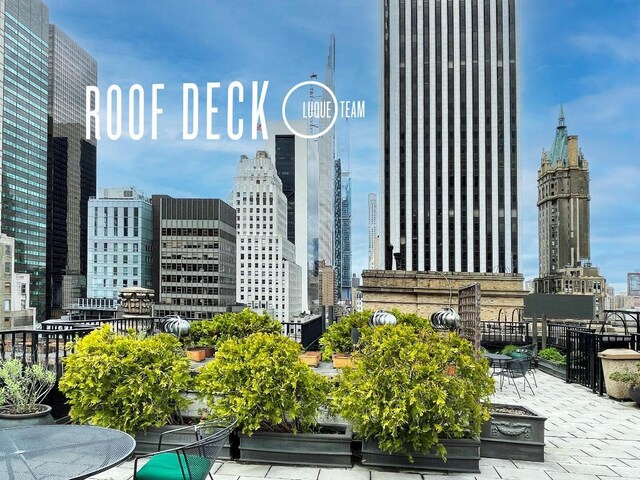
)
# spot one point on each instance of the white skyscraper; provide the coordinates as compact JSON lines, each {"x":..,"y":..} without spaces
{"x":268,"y":276}
{"x":373,"y":229}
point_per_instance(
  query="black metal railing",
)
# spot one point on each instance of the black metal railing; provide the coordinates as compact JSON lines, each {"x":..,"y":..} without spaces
{"x":583,"y":365}
{"x":503,"y":333}
{"x":47,"y":347}
{"x":557,"y":333}
{"x":307,"y":332}
{"x":140,"y":325}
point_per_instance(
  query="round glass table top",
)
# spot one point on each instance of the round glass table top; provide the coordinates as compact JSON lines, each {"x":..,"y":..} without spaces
{"x":61,"y":452}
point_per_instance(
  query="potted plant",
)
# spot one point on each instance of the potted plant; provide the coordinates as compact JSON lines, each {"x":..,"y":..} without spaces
{"x":127,"y":382}
{"x":338,"y":342}
{"x":632,"y":378}
{"x":22,"y":388}
{"x":409,"y":406}
{"x":513,"y":432}
{"x":276,"y":398}
{"x":551,"y":361}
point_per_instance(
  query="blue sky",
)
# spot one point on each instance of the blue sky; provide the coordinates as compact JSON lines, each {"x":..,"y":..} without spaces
{"x":584,"y":53}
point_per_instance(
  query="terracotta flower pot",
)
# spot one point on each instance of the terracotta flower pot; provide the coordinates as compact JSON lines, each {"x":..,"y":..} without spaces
{"x":196,"y":354}
{"x":209,"y":351}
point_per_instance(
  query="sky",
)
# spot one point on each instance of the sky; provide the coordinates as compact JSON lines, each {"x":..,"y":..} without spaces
{"x":583,"y":53}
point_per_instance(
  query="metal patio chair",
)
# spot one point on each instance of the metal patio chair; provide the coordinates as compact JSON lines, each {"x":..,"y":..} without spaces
{"x":189,"y":462}
{"x":516,"y":369}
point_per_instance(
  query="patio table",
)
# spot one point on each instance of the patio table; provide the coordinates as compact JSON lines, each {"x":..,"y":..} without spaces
{"x":497,"y":359}
{"x":61,"y":452}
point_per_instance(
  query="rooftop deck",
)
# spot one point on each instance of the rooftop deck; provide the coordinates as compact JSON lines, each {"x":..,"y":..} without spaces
{"x":588,"y":437}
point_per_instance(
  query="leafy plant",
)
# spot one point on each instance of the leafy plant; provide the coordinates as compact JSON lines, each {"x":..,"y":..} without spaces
{"x":261,"y":381}
{"x":632,"y":377}
{"x":126,"y":382}
{"x":553,"y":355}
{"x":22,"y":388}
{"x":337,"y":338}
{"x":404,"y":393}
{"x":209,"y":333}
{"x":509,"y":349}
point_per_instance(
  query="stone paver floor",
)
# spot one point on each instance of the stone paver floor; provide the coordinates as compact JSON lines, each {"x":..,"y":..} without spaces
{"x":587,"y":438}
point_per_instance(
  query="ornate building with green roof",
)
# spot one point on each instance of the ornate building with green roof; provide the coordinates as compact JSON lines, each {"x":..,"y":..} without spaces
{"x":563,"y":221}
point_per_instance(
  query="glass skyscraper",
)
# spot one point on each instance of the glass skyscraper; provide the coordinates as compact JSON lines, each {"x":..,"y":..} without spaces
{"x":71,"y":170}
{"x":24,"y":27}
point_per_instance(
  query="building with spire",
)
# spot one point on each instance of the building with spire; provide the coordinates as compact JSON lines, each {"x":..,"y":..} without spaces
{"x":563,"y":221}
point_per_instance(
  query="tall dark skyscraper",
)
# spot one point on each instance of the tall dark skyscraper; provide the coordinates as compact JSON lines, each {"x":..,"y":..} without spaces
{"x":71,"y":170}
{"x":449,"y":169}
{"x":24,"y":27}
{"x":294,"y":161}
{"x":285,"y":160}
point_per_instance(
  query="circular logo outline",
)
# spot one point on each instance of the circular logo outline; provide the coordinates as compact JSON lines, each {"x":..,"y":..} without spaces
{"x":284,"y":108}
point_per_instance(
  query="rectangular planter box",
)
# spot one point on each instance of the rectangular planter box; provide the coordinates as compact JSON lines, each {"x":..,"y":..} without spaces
{"x":558,"y":371}
{"x":462,"y":456}
{"x":147,"y":441}
{"x":321,"y":449}
{"x":513,"y":437}
{"x":311,"y":358}
{"x":342,"y":360}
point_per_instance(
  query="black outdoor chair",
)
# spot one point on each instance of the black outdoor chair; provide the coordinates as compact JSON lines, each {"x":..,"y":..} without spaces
{"x":528,"y":350}
{"x":515,"y":369}
{"x":189,"y":462}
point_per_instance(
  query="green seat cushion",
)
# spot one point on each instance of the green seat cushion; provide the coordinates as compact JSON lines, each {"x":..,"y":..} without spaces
{"x":166,"y":466}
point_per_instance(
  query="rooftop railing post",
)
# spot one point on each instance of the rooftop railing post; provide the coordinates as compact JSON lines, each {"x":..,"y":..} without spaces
{"x":544,"y":331}
{"x":534,"y":333}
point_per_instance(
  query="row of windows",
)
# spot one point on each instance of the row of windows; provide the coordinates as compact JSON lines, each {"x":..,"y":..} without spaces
{"x":257,"y":256}
{"x":242,"y":272}
{"x":115,"y":282}
{"x":190,"y":232}
{"x":190,"y":278}
{"x":189,"y":267}
{"x":115,"y":270}
{"x":116,"y":230}
{"x":125,"y":247}
{"x":125,"y":259}
{"x":190,"y":290}
{"x":184,"y":245}
{"x":208,"y":302}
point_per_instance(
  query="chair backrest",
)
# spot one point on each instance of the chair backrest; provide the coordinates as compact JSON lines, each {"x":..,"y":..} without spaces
{"x":198,"y":457}
{"x":519,"y":366}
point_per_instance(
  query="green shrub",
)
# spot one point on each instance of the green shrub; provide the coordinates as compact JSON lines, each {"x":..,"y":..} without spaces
{"x":261,"y":381}
{"x":22,"y":388}
{"x":125,"y":382}
{"x":509,"y":349}
{"x":553,"y":355}
{"x":401,"y":392}
{"x":209,"y":333}
{"x":632,"y":377}
{"x":337,"y":338}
